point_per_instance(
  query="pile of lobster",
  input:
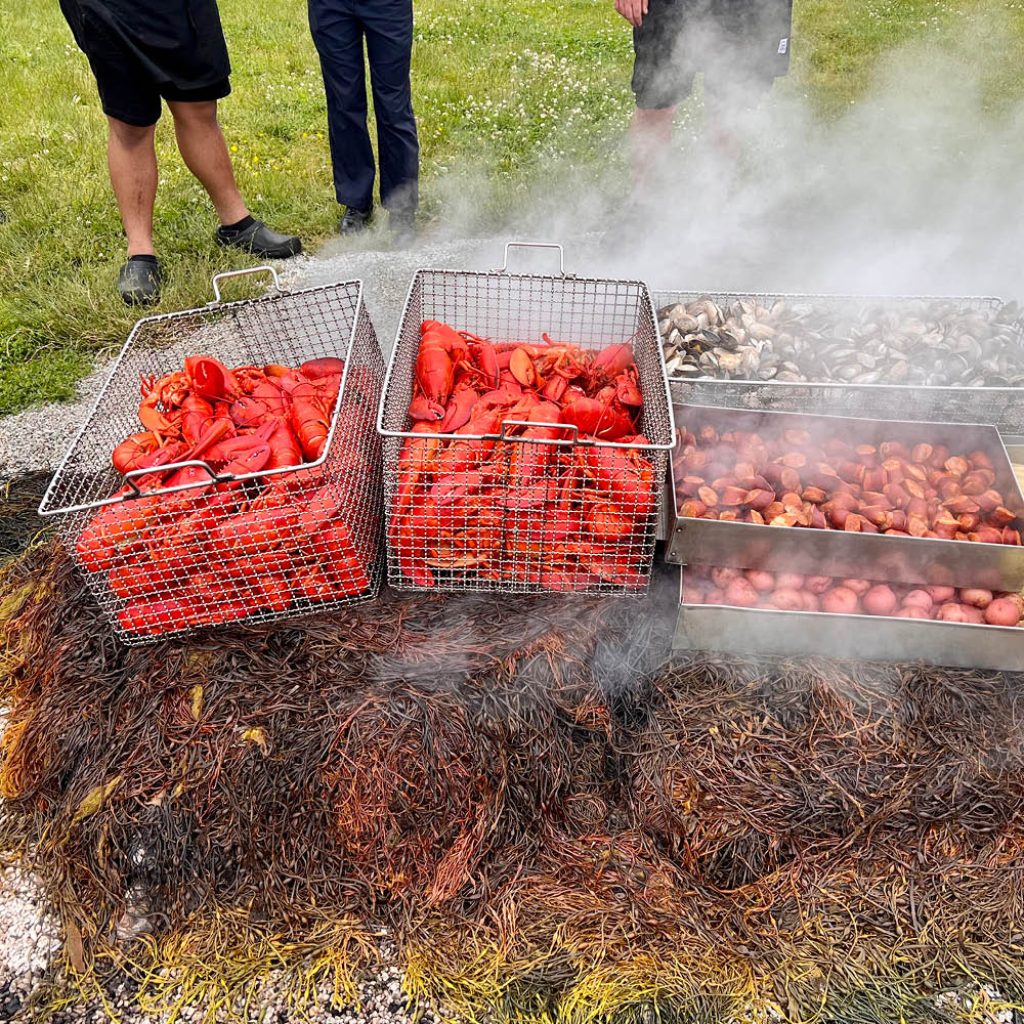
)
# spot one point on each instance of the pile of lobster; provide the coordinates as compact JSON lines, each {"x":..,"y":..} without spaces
{"x":526,"y":485}
{"x":220,"y":550}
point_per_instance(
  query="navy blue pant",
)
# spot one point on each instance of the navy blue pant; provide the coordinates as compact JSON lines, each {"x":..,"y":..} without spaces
{"x":339,"y":28}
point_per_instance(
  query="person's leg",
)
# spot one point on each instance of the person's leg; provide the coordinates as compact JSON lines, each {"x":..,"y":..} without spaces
{"x":131,"y":158}
{"x":662,"y":76}
{"x":338,"y":35}
{"x":202,"y":147}
{"x":650,"y":135}
{"x":388,"y":25}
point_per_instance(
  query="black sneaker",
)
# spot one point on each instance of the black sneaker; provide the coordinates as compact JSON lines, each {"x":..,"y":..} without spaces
{"x":139,"y":282}
{"x":403,"y":229}
{"x":354,"y":220}
{"x":258,"y":239}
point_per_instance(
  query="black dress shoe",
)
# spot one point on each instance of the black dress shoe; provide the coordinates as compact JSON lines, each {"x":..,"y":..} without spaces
{"x":139,"y":282}
{"x":258,"y":239}
{"x":403,"y":229}
{"x":354,"y":220}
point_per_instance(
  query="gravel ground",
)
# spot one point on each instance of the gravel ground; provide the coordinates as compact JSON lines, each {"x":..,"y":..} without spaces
{"x":31,"y":941}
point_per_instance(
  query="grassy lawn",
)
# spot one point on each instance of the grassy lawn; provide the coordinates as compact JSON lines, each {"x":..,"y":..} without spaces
{"x":504,"y":90}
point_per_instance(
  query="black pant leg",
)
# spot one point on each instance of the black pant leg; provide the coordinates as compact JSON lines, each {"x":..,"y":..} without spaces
{"x":388,"y":26}
{"x":338,"y":35}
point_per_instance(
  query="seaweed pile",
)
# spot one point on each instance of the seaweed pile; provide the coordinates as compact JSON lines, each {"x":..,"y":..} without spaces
{"x":550,"y":815}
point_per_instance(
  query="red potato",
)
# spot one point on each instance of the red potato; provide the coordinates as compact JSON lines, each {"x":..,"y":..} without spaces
{"x":817,"y":584}
{"x":841,"y":601}
{"x":1018,"y":600}
{"x":714,"y":596}
{"x":919,"y":599}
{"x":722,"y":576}
{"x":763,"y":582}
{"x":912,"y":612}
{"x":789,"y":581}
{"x":787,"y":600}
{"x":739,"y":592}
{"x":859,"y":587}
{"x":811,"y":602}
{"x":1003,"y":611}
{"x":940,"y":595}
{"x":952,"y":612}
{"x":979,"y":598}
{"x":880,"y":600}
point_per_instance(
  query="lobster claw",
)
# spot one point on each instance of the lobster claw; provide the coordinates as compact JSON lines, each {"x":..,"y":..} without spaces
{"x":251,"y":461}
{"x":459,"y":410}
{"x":423,"y":409}
{"x":248,"y":411}
{"x":210,"y":378}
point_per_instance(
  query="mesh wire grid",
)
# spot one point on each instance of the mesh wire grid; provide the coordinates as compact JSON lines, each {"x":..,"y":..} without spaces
{"x":1001,"y":406}
{"x":251,"y":548}
{"x":501,"y":513}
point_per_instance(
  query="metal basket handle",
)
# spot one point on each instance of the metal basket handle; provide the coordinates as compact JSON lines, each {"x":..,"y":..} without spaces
{"x":568,"y":427}
{"x":130,"y":476}
{"x":535,"y":245}
{"x":225,"y":274}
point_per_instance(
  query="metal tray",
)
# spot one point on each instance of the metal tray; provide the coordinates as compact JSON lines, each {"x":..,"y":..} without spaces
{"x":1000,"y":406}
{"x":834,"y":552}
{"x":702,"y":627}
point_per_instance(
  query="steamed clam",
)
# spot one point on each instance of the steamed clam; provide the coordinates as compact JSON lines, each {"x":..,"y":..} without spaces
{"x":931,"y":343}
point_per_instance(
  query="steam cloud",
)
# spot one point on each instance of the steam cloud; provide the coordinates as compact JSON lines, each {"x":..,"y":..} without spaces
{"x":916,"y":190}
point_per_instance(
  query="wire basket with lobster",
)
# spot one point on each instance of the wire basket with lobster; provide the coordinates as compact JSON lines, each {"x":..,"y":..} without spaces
{"x":527,"y":422}
{"x":230,"y":469}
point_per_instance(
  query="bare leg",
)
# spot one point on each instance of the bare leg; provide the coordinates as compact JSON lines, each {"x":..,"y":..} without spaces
{"x":131,"y":157}
{"x":650,"y":133}
{"x":205,"y":153}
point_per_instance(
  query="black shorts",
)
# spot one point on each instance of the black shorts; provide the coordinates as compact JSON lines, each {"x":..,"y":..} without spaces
{"x":129,"y":76}
{"x":740,"y":45}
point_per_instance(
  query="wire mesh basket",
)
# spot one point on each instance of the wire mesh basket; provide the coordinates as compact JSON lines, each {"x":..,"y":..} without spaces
{"x":524,"y":510}
{"x":199,"y":545}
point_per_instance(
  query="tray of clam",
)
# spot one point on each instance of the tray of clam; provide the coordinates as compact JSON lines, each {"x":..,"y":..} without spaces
{"x":958,"y":359}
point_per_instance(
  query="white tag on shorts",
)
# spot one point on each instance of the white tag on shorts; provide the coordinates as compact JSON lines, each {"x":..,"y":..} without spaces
{"x":783,"y":45}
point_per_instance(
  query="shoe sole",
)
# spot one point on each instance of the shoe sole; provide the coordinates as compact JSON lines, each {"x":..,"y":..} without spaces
{"x":136,"y":300}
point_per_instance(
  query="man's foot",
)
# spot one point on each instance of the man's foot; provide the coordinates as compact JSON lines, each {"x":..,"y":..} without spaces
{"x":403,"y":229}
{"x":354,"y":220}
{"x":254,"y":236}
{"x":139,"y":281}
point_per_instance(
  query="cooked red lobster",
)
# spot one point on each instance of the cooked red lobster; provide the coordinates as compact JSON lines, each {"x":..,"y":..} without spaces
{"x":515,"y":504}
{"x":223,"y":550}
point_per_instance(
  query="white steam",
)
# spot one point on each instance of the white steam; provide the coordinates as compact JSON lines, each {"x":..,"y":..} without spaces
{"x":916,"y":190}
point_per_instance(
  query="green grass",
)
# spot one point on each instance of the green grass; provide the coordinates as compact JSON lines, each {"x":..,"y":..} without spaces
{"x":504,"y":90}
